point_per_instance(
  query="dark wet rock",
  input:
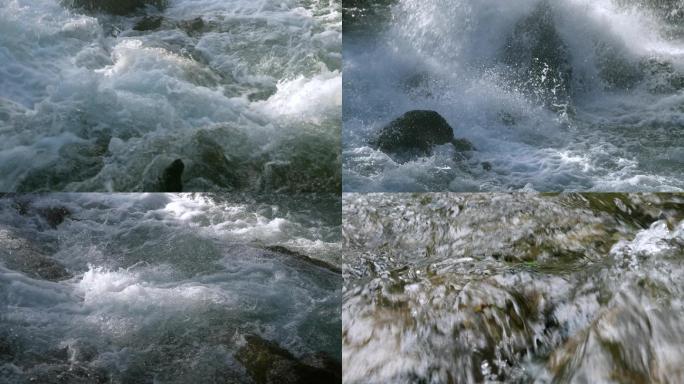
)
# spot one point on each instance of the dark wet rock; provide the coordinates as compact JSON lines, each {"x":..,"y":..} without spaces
{"x":171,"y":178}
{"x":114,"y":7}
{"x":149,"y":23}
{"x":77,"y":162}
{"x":487,"y":166}
{"x":20,"y":255}
{"x":615,"y":67}
{"x":305,"y":164}
{"x":304,"y":258}
{"x":670,"y":10}
{"x":416,"y":133}
{"x":210,"y":162}
{"x":262,"y":94}
{"x":268,"y":363}
{"x":462,"y":145}
{"x":538,"y":53}
{"x":324,"y":361}
{"x":363,"y":16}
{"x":54,"y":216}
{"x":42,"y":267}
{"x":193,"y":27}
{"x":662,"y":76}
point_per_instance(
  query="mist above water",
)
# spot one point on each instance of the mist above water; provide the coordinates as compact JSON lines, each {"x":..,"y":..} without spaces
{"x":554,"y":95}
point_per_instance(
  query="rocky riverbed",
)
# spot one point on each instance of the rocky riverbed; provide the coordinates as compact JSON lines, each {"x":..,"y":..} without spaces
{"x":512,"y":288}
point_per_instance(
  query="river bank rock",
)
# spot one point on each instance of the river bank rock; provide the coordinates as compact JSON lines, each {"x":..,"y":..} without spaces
{"x":416,"y":133}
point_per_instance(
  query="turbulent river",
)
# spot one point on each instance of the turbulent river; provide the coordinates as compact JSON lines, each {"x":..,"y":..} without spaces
{"x":555,"y":95}
{"x":185,"y":288}
{"x":457,"y":288}
{"x":106,"y":95}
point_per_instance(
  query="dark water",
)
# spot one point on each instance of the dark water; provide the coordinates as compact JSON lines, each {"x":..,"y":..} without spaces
{"x":513,"y":288}
{"x":555,"y":95}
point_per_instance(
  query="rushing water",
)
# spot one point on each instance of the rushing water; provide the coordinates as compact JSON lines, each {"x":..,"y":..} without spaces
{"x":142,"y":288}
{"x":555,"y":95}
{"x":246,"y":93}
{"x":459,"y":288}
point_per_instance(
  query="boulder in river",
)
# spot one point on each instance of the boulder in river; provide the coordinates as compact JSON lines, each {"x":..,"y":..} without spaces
{"x":266,"y":362}
{"x":416,"y":133}
{"x":171,"y":178}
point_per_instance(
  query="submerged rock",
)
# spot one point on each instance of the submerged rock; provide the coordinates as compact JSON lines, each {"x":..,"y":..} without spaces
{"x":462,"y":145}
{"x":77,"y":162}
{"x":266,"y":362}
{"x":54,"y":215}
{"x":416,"y":133}
{"x":487,"y":166}
{"x":210,"y":162}
{"x":20,"y":255}
{"x":115,"y":7}
{"x":171,"y":178}
{"x":193,"y":27}
{"x":539,"y":54}
{"x":303,"y":164}
{"x":149,"y":23}
{"x":624,"y":344}
{"x":304,"y":258}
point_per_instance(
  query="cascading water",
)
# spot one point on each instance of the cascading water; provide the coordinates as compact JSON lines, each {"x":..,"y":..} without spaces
{"x":142,"y":288}
{"x":106,"y":95}
{"x":514,"y":288}
{"x":554,"y":95}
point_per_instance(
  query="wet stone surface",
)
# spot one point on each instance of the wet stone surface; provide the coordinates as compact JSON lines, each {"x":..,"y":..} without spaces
{"x":512,"y":288}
